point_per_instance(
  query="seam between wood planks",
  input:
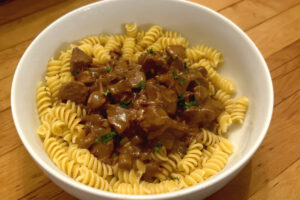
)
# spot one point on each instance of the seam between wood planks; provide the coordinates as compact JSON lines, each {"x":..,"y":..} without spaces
{"x":36,"y":189}
{"x":282,"y":171}
{"x":30,"y":13}
{"x":282,"y":75}
{"x":271,"y":17}
{"x":292,"y":59}
{"x":286,"y":98}
{"x":230,"y":5}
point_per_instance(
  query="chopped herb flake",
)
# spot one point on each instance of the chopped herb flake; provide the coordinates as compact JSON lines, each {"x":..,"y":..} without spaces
{"x":185,"y":150}
{"x":180,"y":101}
{"x":106,"y":92}
{"x":175,"y":178}
{"x":108,"y":136}
{"x":142,"y":85}
{"x":185,"y":66}
{"x":75,"y":73}
{"x":108,"y":69}
{"x":198,"y":83}
{"x":158,"y":146}
{"x":151,"y":51}
{"x":181,"y":81}
{"x":96,"y":141}
{"x":175,"y":57}
{"x":124,"y":103}
{"x":190,"y":104}
{"x":175,"y":74}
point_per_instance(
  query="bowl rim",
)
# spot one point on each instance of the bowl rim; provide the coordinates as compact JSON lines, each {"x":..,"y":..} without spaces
{"x":111,"y":195}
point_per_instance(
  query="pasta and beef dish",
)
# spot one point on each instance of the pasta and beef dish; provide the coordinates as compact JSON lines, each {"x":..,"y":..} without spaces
{"x":138,"y":114}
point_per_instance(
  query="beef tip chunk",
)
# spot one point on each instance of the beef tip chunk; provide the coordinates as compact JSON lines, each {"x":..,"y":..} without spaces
{"x":177,"y":64}
{"x":166,"y":79}
{"x":151,"y":169}
{"x":125,"y":161}
{"x":196,"y":116}
{"x":154,"y":121}
{"x":87,"y":141}
{"x":178,"y":129}
{"x":119,"y":89}
{"x":194,"y":79}
{"x":120,"y":118}
{"x":103,"y":151}
{"x":169,"y":100}
{"x":202,"y":70}
{"x":200,"y":94}
{"x":135,"y":76}
{"x":167,"y":140}
{"x":153,"y":63}
{"x":96,"y":124}
{"x":217,"y":106}
{"x":176,"y":51}
{"x":85,"y":77}
{"x":97,"y":70}
{"x":96,"y":100}
{"x":79,"y":60}
{"x":75,"y":91}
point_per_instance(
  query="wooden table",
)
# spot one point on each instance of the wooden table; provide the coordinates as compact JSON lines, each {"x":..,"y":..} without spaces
{"x":274,"y":25}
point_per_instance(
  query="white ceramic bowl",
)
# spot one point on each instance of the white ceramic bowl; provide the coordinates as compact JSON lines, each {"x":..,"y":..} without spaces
{"x":243,"y":63}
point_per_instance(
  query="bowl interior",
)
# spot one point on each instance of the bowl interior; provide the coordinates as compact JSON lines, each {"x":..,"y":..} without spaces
{"x":243,"y":64}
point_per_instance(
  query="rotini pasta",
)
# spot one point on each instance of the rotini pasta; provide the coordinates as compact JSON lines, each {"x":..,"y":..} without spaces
{"x":131,"y":30}
{"x":105,"y":140}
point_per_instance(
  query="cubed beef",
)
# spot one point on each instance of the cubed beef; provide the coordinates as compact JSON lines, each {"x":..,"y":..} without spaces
{"x":96,"y":100}
{"x":85,"y":77}
{"x":75,"y":91}
{"x":79,"y":60}
{"x":120,"y":118}
{"x":176,"y":51}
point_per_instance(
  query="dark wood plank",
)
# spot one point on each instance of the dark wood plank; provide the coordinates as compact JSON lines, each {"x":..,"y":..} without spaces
{"x":9,"y":11}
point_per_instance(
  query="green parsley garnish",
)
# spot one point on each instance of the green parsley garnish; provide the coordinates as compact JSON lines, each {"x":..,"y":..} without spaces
{"x":106,"y":92}
{"x":151,"y":51}
{"x":185,"y":150}
{"x":108,"y":136}
{"x":181,"y":81}
{"x":124,"y":103}
{"x":190,"y":104}
{"x":175,"y":74}
{"x":158,"y":146}
{"x":185,"y":66}
{"x":108,"y":69}
{"x":175,"y":57}
{"x":96,"y":141}
{"x":198,"y":83}
{"x":180,"y":101}
{"x":75,"y":73}
{"x":175,"y":178}
{"x":142,"y":85}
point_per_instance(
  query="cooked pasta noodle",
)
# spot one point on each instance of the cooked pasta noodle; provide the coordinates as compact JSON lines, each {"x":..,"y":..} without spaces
{"x":64,"y":130}
{"x":131,"y":30}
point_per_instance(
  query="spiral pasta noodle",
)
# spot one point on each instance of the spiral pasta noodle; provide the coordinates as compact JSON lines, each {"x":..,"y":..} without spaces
{"x":131,"y":30}
{"x":191,"y":159}
{"x":43,"y":99}
{"x":151,"y":36}
{"x":62,"y":126}
{"x":128,"y":48}
{"x":91,"y":162}
{"x":101,"y":55}
{"x":239,"y":109}
{"x":90,"y":178}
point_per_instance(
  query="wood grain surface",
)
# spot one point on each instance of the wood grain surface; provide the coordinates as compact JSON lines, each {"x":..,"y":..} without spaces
{"x":274,"y":26}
